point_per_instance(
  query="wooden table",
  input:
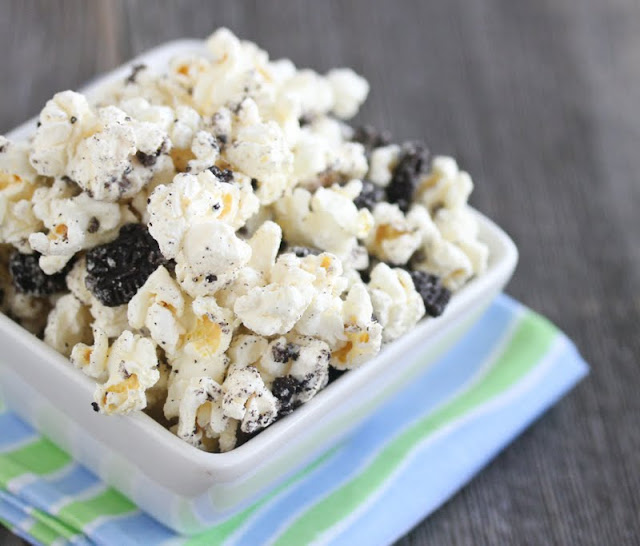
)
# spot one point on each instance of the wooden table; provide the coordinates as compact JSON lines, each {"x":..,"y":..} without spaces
{"x":540,"y":101}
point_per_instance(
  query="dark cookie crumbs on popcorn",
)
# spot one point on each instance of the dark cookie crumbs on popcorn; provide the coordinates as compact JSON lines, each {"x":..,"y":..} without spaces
{"x":73,"y":119}
{"x":284,"y":353}
{"x":303,"y":251}
{"x":131,"y":78}
{"x":406,"y":175}
{"x":28,"y":278}
{"x":94,"y":225}
{"x":224,"y":175}
{"x":148,"y":160}
{"x":284,"y":389}
{"x":95,"y":407}
{"x":117,"y":270}
{"x":369,"y":196}
{"x":370,"y":137}
{"x":434,"y":295}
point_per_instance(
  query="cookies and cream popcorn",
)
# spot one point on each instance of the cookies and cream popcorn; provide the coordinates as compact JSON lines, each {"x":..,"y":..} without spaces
{"x":328,"y":220}
{"x":74,"y":222}
{"x":18,"y":181}
{"x":194,"y":199}
{"x":211,"y":242}
{"x":109,"y":154}
{"x":396,"y":304}
{"x":132,"y":367}
{"x":396,"y":236}
{"x":67,"y":324}
{"x":159,"y":306}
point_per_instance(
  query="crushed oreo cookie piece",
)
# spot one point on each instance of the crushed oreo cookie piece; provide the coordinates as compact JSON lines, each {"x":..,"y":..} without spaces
{"x":406,"y":175}
{"x":117,"y":270}
{"x":433,"y":294}
{"x":28,"y":278}
{"x":285,"y":353}
{"x":370,"y":137}
{"x":284,"y":389}
{"x":369,"y":196}
{"x":303,"y":251}
{"x":224,"y":175}
{"x":334,"y":373}
{"x":131,"y":78}
{"x":94,"y":225}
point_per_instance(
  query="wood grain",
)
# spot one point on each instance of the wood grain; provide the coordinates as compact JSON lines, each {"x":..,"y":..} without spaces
{"x":539,"y":101}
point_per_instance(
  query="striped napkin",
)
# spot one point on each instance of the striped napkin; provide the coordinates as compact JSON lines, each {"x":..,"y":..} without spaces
{"x":399,"y":466}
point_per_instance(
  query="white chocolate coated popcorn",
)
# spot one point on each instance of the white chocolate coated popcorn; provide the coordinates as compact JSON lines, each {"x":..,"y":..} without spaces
{"x":68,"y":324}
{"x":131,"y":364}
{"x":18,"y":181}
{"x":269,"y":212}
{"x":396,"y":236}
{"x":396,"y":304}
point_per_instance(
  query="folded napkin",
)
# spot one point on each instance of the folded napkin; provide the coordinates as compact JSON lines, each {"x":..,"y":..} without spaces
{"x":396,"y":468}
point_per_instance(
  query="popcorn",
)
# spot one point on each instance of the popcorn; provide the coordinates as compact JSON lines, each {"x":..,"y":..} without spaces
{"x":322,"y":156}
{"x":300,"y":358}
{"x":445,"y":186}
{"x":204,"y":235}
{"x":446,"y":260}
{"x":396,"y":304}
{"x":349,"y":91}
{"x":276,"y":307}
{"x":67,"y":324}
{"x":65,"y":120}
{"x":395,"y":237}
{"x":92,"y":360}
{"x":131,"y":363}
{"x":193,"y":199}
{"x":247,"y":399}
{"x":158,"y":306}
{"x":18,"y":181}
{"x":328,"y":220}
{"x":211,"y":257}
{"x":200,"y":392}
{"x":363,"y":335}
{"x":75,"y":223}
{"x":109,"y":154}
{"x":260,"y":151}
{"x":381,"y":164}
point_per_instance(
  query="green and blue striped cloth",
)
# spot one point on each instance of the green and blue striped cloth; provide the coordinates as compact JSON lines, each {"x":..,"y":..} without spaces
{"x":400,"y":465}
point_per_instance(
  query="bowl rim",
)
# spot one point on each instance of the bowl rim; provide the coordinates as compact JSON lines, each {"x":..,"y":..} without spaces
{"x":502,"y":262}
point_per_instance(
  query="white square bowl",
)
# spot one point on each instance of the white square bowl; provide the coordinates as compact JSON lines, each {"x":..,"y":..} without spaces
{"x":190,"y":490}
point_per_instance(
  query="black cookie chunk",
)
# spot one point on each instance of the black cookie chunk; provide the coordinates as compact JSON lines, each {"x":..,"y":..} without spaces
{"x":284,"y":353}
{"x":224,"y":175}
{"x":406,"y":175}
{"x":334,"y":374}
{"x":117,"y":270}
{"x":284,"y":389}
{"x":370,"y":137}
{"x":435,"y":296}
{"x":369,"y":196}
{"x":303,"y":251}
{"x":28,"y":278}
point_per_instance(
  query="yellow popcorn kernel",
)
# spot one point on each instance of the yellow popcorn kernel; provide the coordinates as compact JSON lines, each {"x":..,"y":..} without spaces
{"x":58,"y":232}
{"x":129,"y":384}
{"x":205,"y":337}
{"x":7,"y":180}
{"x":181,"y":158}
{"x":388,"y":232}
{"x":227,"y":205}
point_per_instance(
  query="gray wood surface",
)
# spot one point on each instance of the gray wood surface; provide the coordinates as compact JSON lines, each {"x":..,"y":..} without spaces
{"x":540,"y":101}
